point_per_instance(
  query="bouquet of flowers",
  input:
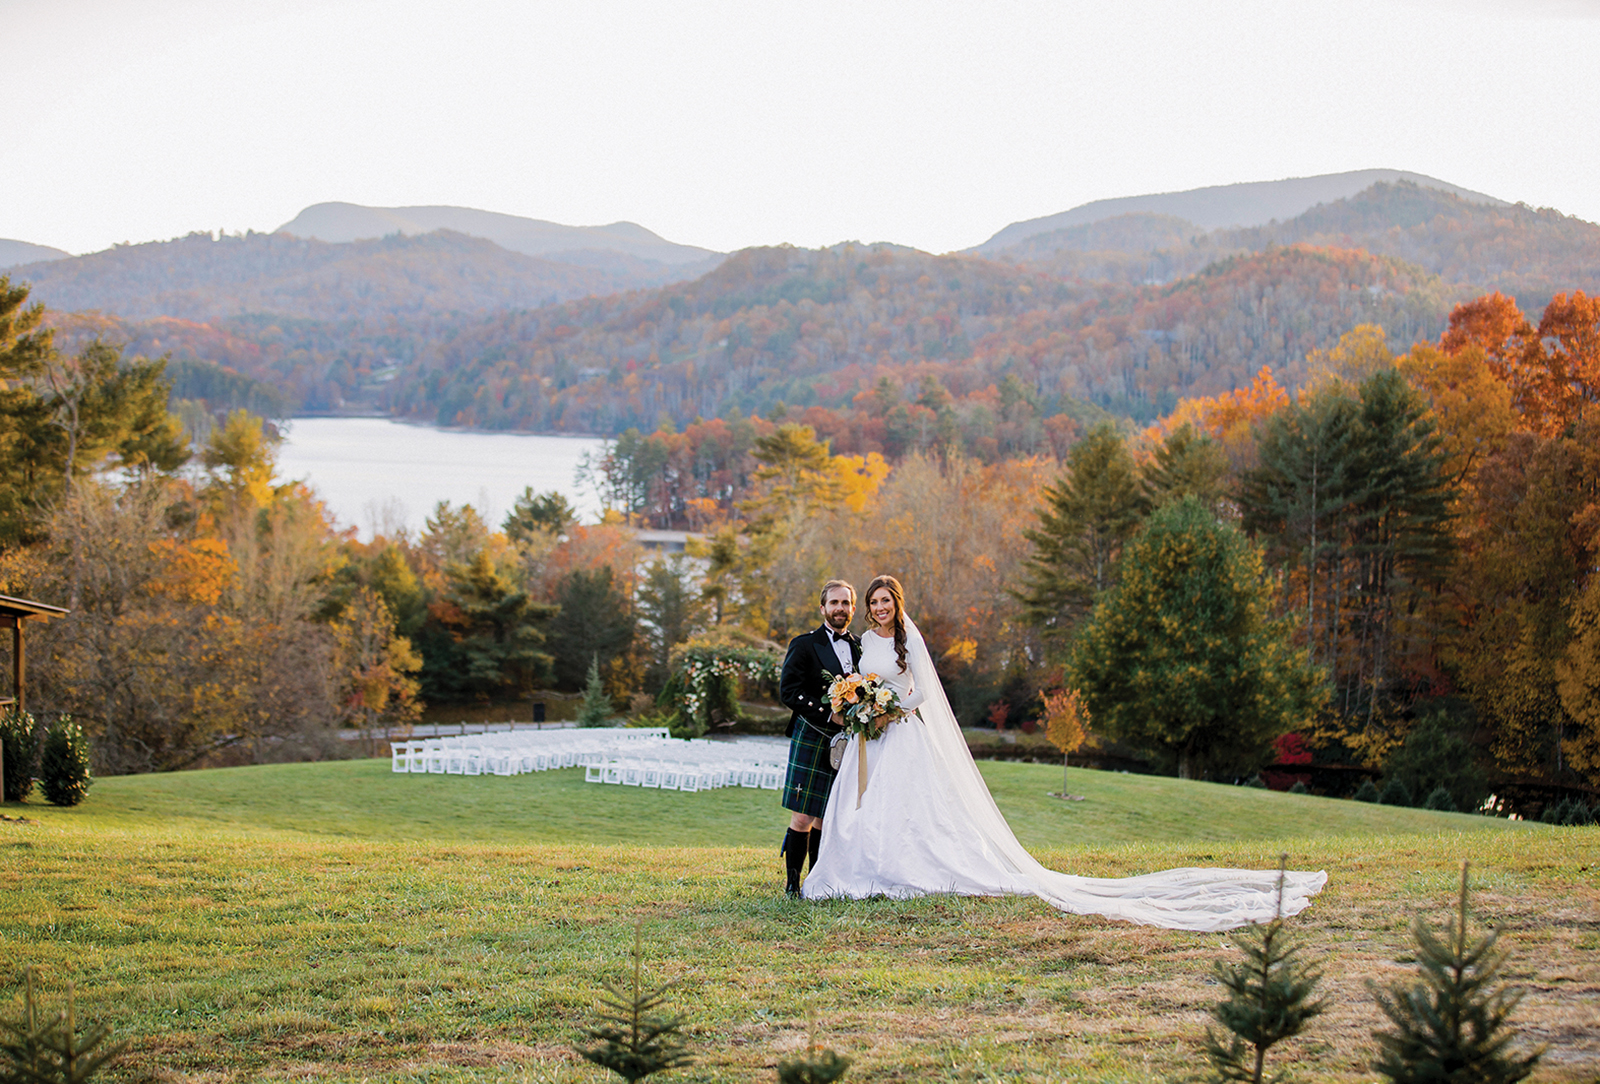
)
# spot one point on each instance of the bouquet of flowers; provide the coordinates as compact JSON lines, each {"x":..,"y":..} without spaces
{"x":867,"y":704}
{"x":868,"y":707}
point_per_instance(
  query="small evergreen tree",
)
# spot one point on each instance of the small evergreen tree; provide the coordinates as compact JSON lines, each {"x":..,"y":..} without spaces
{"x":21,"y":753}
{"x":1367,"y":791}
{"x":1454,"y":1024}
{"x":1394,"y":793}
{"x":64,"y":773}
{"x":815,"y":1066}
{"x":1269,"y":998}
{"x":1440,"y":801}
{"x":44,"y":1048}
{"x":1299,"y":788}
{"x":630,"y":1041}
{"x":596,"y":709}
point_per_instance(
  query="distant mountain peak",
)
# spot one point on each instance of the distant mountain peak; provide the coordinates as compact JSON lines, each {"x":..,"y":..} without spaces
{"x":1252,"y":203}
{"x":530,"y":236}
{"x":17,"y":253}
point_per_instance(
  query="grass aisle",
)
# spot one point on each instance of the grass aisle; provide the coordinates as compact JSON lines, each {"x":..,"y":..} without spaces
{"x":336,"y":923}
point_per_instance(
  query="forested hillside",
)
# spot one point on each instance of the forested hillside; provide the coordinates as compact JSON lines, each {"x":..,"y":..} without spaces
{"x":1127,"y":314}
{"x":809,"y":328}
{"x":206,"y":278}
{"x":1527,"y":253}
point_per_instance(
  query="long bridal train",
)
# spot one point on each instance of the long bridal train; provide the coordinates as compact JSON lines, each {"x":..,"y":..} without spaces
{"x":927,"y":824}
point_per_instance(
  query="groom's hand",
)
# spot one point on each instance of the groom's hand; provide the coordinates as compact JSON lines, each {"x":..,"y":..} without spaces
{"x":836,"y":719}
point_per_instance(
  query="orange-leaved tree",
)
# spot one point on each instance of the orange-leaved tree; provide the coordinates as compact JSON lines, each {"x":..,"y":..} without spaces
{"x":1066,"y":724}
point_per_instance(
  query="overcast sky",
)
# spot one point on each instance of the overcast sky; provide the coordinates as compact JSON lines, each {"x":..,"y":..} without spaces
{"x":927,"y":123}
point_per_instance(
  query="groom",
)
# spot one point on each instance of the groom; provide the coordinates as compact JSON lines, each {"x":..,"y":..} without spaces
{"x":814,"y":660}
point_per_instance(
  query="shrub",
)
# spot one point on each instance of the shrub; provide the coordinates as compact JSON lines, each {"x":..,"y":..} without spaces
{"x":1568,"y":811}
{"x":1454,"y":1023}
{"x":1256,"y":781}
{"x":21,"y":753}
{"x":1436,"y":755}
{"x":1395,"y":793}
{"x":1439,"y":800}
{"x":1299,"y":788}
{"x":1367,"y":791}
{"x":64,"y":774}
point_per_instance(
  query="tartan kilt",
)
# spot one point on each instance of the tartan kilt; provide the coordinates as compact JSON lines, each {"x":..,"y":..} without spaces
{"x":810,"y":776}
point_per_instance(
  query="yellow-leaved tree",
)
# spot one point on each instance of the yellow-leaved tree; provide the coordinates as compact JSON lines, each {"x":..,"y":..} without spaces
{"x":1066,"y":724}
{"x":375,"y":665}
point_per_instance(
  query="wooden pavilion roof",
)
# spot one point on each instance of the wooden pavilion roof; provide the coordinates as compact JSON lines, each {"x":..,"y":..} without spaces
{"x":27,"y":607}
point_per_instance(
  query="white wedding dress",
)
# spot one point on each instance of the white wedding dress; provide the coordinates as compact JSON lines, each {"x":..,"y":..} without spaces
{"x":927,"y":824}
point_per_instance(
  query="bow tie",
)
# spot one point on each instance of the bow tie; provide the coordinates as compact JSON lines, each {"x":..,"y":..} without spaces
{"x":837,"y":636}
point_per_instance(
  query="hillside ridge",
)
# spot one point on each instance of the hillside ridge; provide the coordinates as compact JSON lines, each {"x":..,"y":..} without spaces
{"x":336,"y":222}
{"x":1227,"y":206}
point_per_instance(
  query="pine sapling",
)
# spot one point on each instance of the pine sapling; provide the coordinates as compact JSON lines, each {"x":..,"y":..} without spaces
{"x":46,"y":1049}
{"x":1454,"y":1024}
{"x":814,"y":1066}
{"x":631,"y":1041}
{"x":1269,"y":998}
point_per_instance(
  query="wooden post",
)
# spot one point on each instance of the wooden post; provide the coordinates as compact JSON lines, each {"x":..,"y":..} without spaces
{"x":17,"y":669}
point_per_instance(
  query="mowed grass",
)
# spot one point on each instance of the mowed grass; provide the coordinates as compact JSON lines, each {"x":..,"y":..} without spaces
{"x":363,"y":799}
{"x":335,"y":923}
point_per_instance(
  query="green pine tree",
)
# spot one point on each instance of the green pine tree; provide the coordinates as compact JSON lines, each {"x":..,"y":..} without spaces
{"x":1185,"y":656}
{"x":629,"y":1040}
{"x":596,"y":707}
{"x":1367,"y":791}
{"x":64,"y":772}
{"x":815,"y":1066}
{"x":45,"y":1048}
{"x":1454,"y":1025}
{"x":1089,"y":516}
{"x":1269,"y":999}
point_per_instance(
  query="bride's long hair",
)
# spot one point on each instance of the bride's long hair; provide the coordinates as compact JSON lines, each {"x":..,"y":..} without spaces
{"x":897,"y":593}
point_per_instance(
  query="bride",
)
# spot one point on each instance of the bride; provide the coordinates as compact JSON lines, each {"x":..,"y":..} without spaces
{"x":926,"y":822}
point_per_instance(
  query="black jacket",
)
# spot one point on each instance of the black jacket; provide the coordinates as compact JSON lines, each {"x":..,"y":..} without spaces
{"x":808,"y":669}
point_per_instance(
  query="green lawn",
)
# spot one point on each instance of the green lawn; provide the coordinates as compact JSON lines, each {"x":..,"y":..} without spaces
{"x":362,"y":799}
{"x":336,"y":923}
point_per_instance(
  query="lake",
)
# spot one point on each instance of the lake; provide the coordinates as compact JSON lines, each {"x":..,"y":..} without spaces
{"x":374,"y":473}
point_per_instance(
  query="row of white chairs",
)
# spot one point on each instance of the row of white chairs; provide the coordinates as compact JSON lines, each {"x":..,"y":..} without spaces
{"x":643,"y":757}
{"x":515,"y":752}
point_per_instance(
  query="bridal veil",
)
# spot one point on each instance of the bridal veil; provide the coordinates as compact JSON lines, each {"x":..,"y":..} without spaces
{"x":1183,"y":899}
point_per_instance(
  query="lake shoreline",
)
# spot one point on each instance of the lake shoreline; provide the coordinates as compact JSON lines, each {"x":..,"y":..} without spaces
{"x":398,"y":420}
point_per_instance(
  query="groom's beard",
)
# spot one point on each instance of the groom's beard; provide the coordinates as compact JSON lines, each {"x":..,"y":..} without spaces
{"x":838,"y":622}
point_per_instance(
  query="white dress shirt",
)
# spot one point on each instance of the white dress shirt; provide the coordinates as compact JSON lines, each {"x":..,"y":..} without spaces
{"x":841,"y":648}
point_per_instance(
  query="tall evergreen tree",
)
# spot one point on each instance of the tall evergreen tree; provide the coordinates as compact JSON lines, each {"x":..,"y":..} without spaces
{"x":595,"y":619}
{"x":485,"y":639}
{"x":1188,"y":464}
{"x":1183,"y":657}
{"x":1351,"y":490}
{"x":1088,"y":517}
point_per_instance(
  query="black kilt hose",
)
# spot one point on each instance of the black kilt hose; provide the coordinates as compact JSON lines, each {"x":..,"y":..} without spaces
{"x":808,"y":669}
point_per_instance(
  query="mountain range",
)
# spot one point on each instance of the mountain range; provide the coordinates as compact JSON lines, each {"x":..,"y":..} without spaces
{"x":1122,"y":304}
{"x":1230,"y":206}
